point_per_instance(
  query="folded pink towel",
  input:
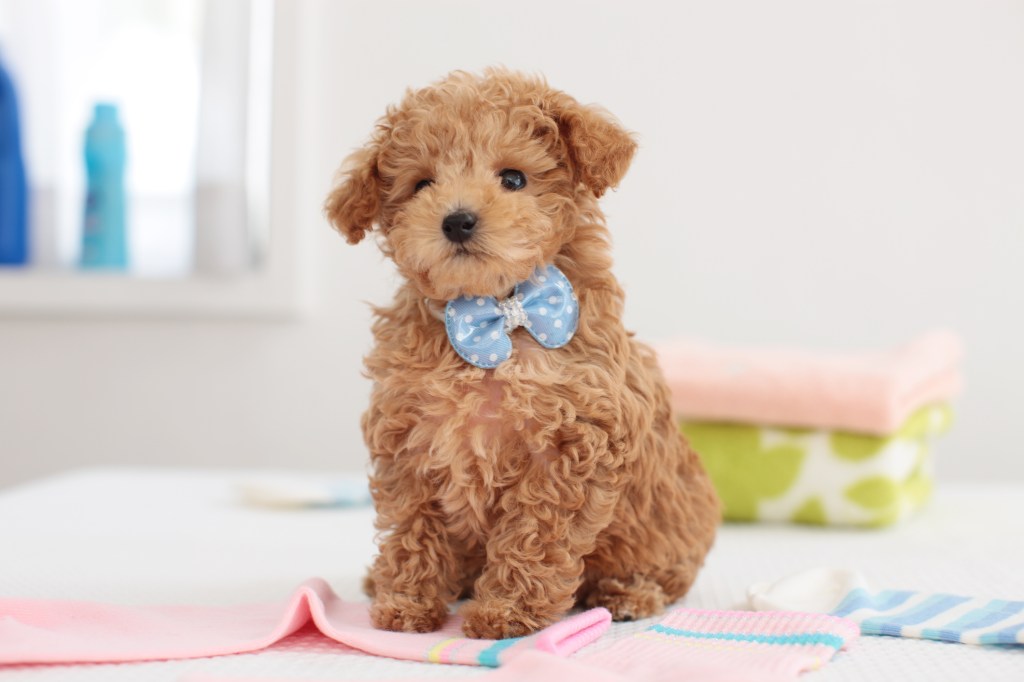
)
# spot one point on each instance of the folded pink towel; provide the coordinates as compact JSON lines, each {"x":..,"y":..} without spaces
{"x":868,"y":392}
{"x":44,"y":631}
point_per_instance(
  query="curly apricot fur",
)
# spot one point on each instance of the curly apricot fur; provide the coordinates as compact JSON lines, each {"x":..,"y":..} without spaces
{"x":559,"y":477}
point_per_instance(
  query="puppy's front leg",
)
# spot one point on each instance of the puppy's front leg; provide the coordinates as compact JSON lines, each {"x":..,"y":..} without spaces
{"x":549,"y":522}
{"x":415,"y":575}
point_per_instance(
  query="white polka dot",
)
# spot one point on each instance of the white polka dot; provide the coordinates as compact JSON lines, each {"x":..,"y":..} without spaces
{"x":520,"y":296}
{"x":479,"y":301}
{"x":542,"y":278}
{"x":451,"y":312}
{"x":474,"y":357}
{"x":476,"y":339}
{"x":542,"y":337}
{"x":528,"y":324}
{"x":543,"y":311}
{"x":467,"y":296}
{"x":552,"y":300}
{"x":558,"y":324}
{"x":508,"y":353}
{"x":568,"y":336}
{"x":494,"y":356}
{"x":468,"y":318}
{"x":485,"y":324}
{"x":495,"y":335}
{"x":568,"y":309}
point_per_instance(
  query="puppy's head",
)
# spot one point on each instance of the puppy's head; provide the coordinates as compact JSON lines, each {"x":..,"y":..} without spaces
{"x":476,"y":180}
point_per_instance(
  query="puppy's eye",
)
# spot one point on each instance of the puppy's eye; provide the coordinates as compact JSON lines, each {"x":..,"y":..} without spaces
{"x":425,"y":182}
{"x":512,"y":179}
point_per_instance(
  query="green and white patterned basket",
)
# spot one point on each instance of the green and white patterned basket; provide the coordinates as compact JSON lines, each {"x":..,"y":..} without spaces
{"x":820,"y":477}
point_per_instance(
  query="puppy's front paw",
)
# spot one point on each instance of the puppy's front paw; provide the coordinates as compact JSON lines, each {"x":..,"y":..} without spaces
{"x":406,"y":613}
{"x":497,"y":619}
{"x":628,"y":599}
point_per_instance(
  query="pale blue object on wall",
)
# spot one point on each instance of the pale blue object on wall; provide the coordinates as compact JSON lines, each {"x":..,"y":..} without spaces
{"x":13,"y":189}
{"x":104,"y":241}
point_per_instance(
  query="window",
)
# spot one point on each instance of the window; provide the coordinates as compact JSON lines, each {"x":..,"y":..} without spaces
{"x":191,"y":82}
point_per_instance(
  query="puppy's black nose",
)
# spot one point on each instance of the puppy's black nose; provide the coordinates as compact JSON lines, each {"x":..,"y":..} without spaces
{"x":458,"y":226}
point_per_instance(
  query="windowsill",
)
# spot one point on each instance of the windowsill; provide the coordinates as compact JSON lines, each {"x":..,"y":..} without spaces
{"x":39,"y":293}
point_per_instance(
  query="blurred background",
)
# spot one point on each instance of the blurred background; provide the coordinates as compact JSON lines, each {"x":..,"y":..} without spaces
{"x":821,"y":175}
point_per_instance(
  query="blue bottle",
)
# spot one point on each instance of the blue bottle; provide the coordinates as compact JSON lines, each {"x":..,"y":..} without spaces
{"x":104,"y":243}
{"x":13,"y":188}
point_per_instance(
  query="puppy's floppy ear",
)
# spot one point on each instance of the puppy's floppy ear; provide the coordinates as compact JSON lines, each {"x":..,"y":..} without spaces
{"x":599,"y":148}
{"x":354,"y":203}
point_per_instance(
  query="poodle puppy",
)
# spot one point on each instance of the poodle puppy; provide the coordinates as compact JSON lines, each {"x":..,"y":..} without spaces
{"x":554,"y":474}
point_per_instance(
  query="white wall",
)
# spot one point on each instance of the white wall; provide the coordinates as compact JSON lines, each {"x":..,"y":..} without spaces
{"x":824,"y":174}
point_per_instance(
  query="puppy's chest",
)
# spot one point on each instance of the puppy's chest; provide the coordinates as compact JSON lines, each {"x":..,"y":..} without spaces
{"x":490,"y":439}
{"x":487,"y":415}
{"x":517,"y":389}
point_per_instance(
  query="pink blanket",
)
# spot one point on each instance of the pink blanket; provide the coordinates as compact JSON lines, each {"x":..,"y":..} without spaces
{"x":39,"y":631}
{"x":703,"y":646}
{"x":685,"y":644}
{"x":868,"y":392}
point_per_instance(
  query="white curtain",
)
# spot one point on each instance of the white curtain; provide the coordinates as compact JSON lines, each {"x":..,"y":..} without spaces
{"x":222,"y":239}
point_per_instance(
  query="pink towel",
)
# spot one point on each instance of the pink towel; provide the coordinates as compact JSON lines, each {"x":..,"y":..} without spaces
{"x":41,"y":631}
{"x":869,"y":392}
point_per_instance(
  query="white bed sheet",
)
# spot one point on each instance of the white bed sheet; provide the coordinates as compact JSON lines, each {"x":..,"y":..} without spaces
{"x":156,"y":536}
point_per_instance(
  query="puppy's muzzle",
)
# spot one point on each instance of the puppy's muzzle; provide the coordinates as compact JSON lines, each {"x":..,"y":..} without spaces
{"x":459,"y":226}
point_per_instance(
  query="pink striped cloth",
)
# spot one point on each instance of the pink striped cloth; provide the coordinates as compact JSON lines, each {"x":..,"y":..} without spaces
{"x":50,"y":631}
{"x":720,"y":646}
{"x":867,"y":392}
{"x":687,"y":644}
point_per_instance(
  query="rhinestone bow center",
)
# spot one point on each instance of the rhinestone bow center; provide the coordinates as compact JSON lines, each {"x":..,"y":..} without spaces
{"x":512,"y":311}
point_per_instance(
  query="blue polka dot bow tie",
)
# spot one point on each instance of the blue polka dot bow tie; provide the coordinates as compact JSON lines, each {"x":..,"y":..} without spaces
{"x":479,"y":326}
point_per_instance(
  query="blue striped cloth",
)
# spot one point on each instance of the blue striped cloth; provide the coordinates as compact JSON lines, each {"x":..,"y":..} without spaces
{"x":945,"y":617}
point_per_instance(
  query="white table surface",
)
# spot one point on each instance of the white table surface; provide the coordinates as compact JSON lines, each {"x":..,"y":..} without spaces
{"x":167,"y":536}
